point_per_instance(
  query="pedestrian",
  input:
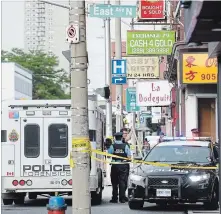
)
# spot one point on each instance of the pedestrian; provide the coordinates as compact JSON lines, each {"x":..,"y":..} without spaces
{"x":119,"y":168}
{"x":146,"y":147}
{"x":126,"y":136}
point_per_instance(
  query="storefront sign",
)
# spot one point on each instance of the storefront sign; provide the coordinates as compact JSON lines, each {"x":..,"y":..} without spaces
{"x":131,"y":100}
{"x":153,"y":93}
{"x":199,"y":69}
{"x":150,"y":42}
{"x":151,"y":10}
{"x":142,"y":67}
{"x":156,"y":114}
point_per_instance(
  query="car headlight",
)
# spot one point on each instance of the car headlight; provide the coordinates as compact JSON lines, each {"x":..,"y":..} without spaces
{"x":197,"y":178}
{"x":137,"y":180}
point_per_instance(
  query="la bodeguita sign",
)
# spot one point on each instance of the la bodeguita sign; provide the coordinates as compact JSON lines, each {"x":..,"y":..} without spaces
{"x":153,"y":93}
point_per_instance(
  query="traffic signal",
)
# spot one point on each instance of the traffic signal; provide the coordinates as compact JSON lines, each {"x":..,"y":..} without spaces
{"x":106,"y":92}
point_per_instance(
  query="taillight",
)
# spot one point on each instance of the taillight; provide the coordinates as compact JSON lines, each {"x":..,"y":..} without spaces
{"x":64,"y":182}
{"x":70,"y":182}
{"x":22,"y":182}
{"x":29,"y":182}
{"x":15,"y":183}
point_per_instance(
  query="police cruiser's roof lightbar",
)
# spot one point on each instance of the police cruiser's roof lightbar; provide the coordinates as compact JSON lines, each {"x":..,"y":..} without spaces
{"x":166,"y":139}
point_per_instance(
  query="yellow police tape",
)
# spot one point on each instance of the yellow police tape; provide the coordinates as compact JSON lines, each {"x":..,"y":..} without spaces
{"x":83,"y":144}
{"x":137,"y":161}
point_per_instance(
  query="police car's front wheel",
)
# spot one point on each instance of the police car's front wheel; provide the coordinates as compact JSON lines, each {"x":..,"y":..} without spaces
{"x":214,"y":202}
{"x":135,"y":205}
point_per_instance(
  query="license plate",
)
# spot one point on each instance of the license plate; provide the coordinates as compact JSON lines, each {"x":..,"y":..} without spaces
{"x":163,"y":192}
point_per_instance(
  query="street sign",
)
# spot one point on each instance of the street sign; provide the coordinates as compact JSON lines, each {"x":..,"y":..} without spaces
{"x":113,"y":11}
{"x":116,"y":80}
{"x":72,"y":33}
{"x":119,"y":67}
{"x":141,"y":119}
{"x":119,"y":71}
{"x":131,"y":105}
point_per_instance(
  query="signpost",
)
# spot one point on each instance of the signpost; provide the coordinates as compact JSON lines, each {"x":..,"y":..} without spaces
{"x":112,"y":11}
{"x":197,"y":68}
{"x":131,"y":105}
{"x":119,"y":71}
{"x":150,"y":42}
{"x":143,"y":67}
{"x":72,"y":33}
{"x":153,"y":93}
{"x":151,"y":10}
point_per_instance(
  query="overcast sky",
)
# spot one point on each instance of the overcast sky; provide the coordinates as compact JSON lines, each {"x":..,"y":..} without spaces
{"x":13,"y":36}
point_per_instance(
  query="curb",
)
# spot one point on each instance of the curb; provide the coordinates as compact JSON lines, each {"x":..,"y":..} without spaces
{"x":203,"y":212}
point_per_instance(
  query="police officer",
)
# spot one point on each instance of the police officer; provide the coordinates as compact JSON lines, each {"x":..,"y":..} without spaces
{"x":119,"y":170}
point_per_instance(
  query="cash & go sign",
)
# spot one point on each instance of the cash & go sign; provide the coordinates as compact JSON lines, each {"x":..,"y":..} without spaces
{"x":143,"y":67}
{"x":153,"y":93}
{"x":150,"y":42}
{"x":199,"y":69}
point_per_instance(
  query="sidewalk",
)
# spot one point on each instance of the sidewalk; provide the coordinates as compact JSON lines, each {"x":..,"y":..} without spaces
{"x":203,"y":211}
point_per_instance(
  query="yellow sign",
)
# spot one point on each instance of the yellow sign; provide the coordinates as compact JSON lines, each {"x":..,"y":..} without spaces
{"x":199,"y":69}
{"x":143,"y":67}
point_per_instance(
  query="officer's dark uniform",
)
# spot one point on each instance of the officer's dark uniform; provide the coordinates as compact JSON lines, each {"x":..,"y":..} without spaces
{"x":119,"y":172}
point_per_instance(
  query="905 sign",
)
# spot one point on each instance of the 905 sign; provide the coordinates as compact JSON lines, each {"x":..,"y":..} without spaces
{"x":208,"y":76}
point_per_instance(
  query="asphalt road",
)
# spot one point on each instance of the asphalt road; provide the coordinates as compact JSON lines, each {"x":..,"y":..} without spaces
{"x":39,"y":206}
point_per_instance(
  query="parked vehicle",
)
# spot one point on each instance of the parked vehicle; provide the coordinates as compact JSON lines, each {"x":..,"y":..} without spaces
{"x":35,"y":157}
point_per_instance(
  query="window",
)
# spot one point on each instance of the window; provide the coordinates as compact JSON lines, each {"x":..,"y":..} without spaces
{"x":32,"y":141}
{"x":184,"y":153}
{"x":58,"y":140}
{"x":92,"y":135}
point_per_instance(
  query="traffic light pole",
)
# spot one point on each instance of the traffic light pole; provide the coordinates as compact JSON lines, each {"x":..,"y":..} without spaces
{"x":119,"y":88}
{"x":108,"y":75}
{"x":81,"y":197}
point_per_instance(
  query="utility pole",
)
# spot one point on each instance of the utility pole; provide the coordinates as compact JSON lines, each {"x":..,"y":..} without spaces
{"x":119,"y":88}
{"x":81,"y":198}
{"x":108,"y":75}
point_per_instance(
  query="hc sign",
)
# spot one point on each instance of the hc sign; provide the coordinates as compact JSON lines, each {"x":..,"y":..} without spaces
{"x":119,"y":67}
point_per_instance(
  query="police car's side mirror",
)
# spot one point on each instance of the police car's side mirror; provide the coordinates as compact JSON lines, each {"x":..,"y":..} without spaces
{"x":138,"y":158}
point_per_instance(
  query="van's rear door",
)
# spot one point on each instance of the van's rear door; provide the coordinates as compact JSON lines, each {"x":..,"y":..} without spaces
{"x":31,"y":146}
{"x":57,"y":144}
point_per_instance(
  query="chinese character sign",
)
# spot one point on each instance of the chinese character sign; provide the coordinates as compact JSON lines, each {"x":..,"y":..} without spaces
{"x":199,"y":69}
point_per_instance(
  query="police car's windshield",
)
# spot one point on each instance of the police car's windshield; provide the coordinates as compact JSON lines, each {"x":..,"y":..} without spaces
{"x":198,"y":154}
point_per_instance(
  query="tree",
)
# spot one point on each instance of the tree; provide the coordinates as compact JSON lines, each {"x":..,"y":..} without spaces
{"x":47,"y":79}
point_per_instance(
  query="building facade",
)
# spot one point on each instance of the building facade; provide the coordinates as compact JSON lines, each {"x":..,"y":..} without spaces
{"x":16,"y":84}
{"x":45,"y":26}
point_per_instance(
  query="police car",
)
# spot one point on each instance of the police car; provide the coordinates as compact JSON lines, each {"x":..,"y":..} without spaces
{"x":171,"y":184}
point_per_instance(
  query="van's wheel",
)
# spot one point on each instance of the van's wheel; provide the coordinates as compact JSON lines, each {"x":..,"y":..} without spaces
{"x":32,"y":196}
{"x":19,"y":201}
{"x":135,"y":205}
{"x":214,"y":202}
{"x":96,"y":196}
{"x":7,"y":201}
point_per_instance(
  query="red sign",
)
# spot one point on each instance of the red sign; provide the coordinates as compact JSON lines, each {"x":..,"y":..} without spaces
{"x":151,"y":9}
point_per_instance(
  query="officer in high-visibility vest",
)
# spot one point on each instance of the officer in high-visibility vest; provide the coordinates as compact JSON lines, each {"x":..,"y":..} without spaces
{"x":119,"y":169}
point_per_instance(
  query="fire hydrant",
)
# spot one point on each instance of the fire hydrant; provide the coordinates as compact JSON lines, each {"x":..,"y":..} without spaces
{"x":56,"y":205}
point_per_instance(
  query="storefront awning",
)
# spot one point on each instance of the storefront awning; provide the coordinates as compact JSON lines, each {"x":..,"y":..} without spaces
{"x":203,"y":21}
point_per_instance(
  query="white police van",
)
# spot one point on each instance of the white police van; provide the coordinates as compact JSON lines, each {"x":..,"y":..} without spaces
{"x":36,"y":151}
